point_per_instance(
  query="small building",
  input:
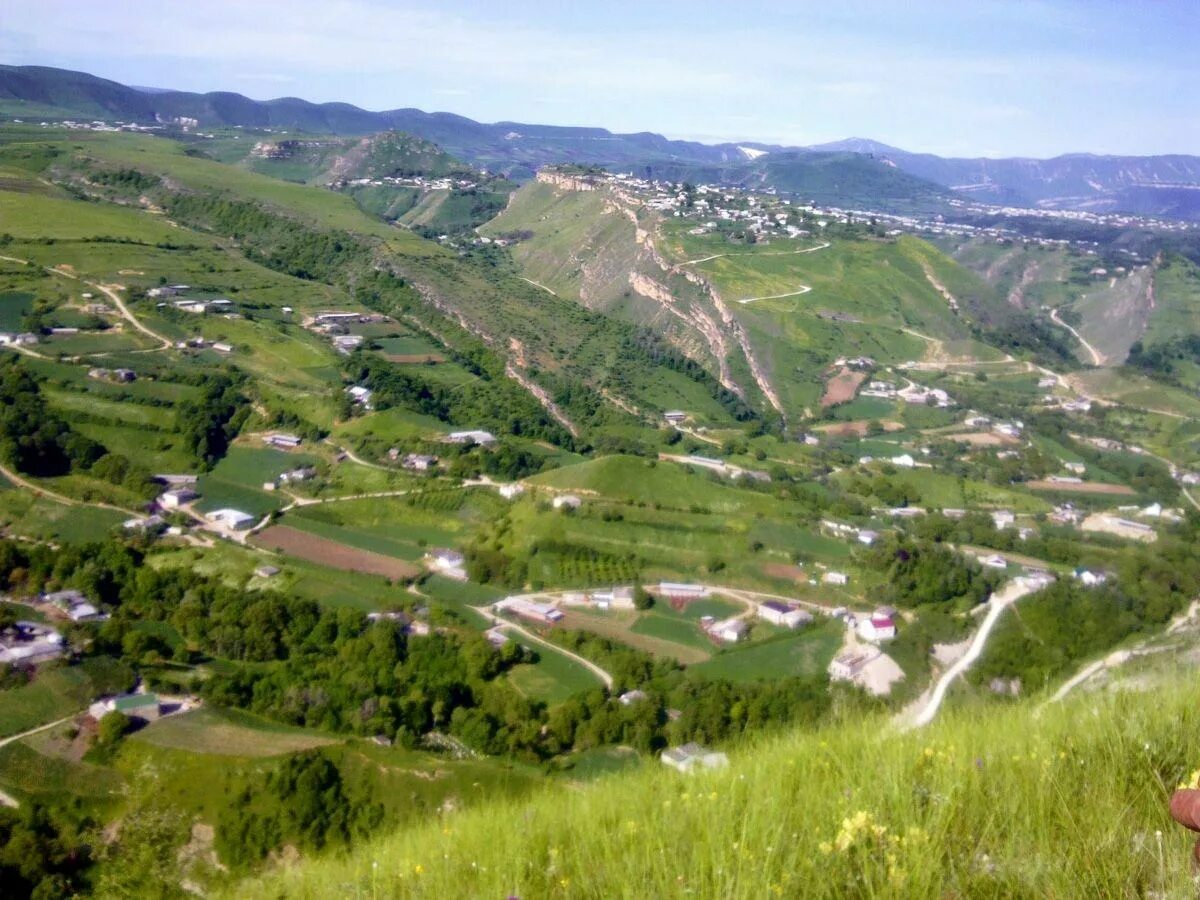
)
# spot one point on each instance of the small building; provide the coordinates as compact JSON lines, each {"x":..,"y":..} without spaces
{"x":222,"y":347}
{"x":511,"y":491}
{"x":1003,"y":518}
{"x":266,"y":571}
{"x":360,"y":395}
{"x":876,"y":629}
{"x":675,"y":416}
{"x":631,"y":697}
{"x":567,"y":501}
{"x":1088,"y":578}
{"x":147,"y":707}
{"x":29,"y":643}
{"x":867,"y":536}
{"x":445,"y":558}
{"x":783,"y":615}
{"x":231,"y":519}
{"x":282,"y":441}
{"x":994,"y":561}
{"x":673,"y":591}
{"x":835,"y":578}
{"x":304,"y":473}
{"x":176,"y":497}
{"x":482,"y":438}
{"x":418,"y":462}
{"x":77,"y":607}
{"x":691,"y":757}
{"x":730,"y":630}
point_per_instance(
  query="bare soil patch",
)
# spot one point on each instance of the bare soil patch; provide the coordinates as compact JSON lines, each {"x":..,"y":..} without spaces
{"x":303,"y":545}
{"x":1084,"y":487}
{"x":785,"y":571}
{"x":842,"y":387}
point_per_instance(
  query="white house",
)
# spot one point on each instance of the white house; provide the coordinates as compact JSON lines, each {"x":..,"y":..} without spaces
{"x":483,"y":438}
{"x":1002,"y":518}
{"x":509,"y":491}
{"x":877,"y":628}
{"x":177,"y":497}
{"x":420,"y":462}
{"x":631,"y":697}
{"x":835,"y":578}
{"x":283,"y":441}
{"x":691,"y":757}
{"x":1090,"y":579}
{"x":232,"y":519}
{"x":783,"y":615}
{"x":675,"y":416}
{"x":730,"y":630}
{"x":567,"y":501}
{"x":867,"y":536}
{"x":360,"y":395}
{"x":994,"y":561}
{"x":445,"y":558}
{"x":904,"y":460}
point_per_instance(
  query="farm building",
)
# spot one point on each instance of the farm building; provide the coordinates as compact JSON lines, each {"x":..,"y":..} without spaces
{"x":283,"y":441}
{"x":266,"y":571}
{"x":29,"y":643}
{"x":176,"y":497}
{"x":675,"y":416}
{"x":419,"y":462}
{"x":631,"y":697}
{"x":136,"y":706}
{"x":509,"y":491}
{"x":835,"y":578}
{"x":730,"y":630}
{"x":616,"y":598}
{"x":877,"y":628}
{"x":783,"y":615}
{"x":1002,"y":518}
{"x":674,"y":591}
{"x":567,"y":501}
{"x":542,"y":613}
{"x":445,"y":558}
{"x":692,"y":756}
{"x":75,"y":605}
{"x":994,"y":561}
{"x":231,"y":519}
{"x":483,"y":438}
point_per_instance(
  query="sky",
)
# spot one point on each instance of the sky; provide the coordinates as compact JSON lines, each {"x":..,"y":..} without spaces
{"x":967,"y":78}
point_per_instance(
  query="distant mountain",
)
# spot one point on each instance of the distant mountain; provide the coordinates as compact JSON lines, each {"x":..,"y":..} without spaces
{"x":1144,"y":185}
{"x":855,"y":170}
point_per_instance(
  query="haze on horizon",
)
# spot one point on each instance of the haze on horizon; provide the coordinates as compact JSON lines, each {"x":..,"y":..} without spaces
{"x":988,"y":78}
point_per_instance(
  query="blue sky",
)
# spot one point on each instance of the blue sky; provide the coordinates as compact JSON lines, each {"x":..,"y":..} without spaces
{"x":976,"y":77}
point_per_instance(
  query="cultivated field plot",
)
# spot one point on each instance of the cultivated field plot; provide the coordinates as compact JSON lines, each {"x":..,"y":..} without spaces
{"x":842,"y":387}
{"x":1083,"y":487}
{"x":229,"y":733}
{"x":617,"y":627}
{"x":309,"y":547}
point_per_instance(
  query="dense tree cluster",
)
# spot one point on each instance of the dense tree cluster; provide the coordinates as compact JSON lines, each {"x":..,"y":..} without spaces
{"x":34,"y":439}
{"x":304,"y":803}
{"x":921,"y":573}
{"x":210,"y":422}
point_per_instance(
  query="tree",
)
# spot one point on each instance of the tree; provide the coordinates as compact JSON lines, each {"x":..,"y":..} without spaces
{"x":113,"y":726}
{"x":642,"y":598}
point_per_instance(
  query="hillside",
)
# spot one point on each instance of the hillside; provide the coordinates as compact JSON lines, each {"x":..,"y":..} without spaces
{"x":395,"y":534}
{"x":773,"y":314}
{"x":852,"y":172}
{"x":1002,"y":802}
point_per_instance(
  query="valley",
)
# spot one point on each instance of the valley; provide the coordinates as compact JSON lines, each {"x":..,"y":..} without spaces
{"x":340,"y":468}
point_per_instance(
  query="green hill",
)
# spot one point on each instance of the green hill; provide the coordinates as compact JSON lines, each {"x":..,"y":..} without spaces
{"x":1068,"y":802}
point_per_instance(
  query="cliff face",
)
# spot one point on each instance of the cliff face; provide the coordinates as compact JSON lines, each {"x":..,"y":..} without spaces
{"x":563,"y":181}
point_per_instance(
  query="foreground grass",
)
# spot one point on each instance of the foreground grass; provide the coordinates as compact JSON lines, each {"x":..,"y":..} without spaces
{"x":987,"y":802}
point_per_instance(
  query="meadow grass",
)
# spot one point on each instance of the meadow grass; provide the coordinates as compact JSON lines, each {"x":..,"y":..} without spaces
{"x":989,"y":801}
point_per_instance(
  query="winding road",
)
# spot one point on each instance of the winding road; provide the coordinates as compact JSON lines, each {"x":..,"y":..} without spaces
{"x":7,"y":799}
{"x":803,"y":289}
{"x":997,"y":604}
{"x":600,"y":673}
{"x":1097,"y":356}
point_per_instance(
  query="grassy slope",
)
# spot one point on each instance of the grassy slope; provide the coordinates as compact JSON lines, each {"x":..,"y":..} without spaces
{"x":989,"y":802}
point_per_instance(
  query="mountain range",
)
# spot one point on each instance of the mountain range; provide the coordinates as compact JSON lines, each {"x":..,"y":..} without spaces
{"x":855,"y":171}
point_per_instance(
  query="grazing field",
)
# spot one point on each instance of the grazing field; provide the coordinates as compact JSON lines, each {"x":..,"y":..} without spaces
{"x":617,"y":627}
{"x":553,"y":678}
{"x":56,"y":691}
{"x":804,"y":652}
{"x":294,"y":542}
{"x":229,"y":733}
